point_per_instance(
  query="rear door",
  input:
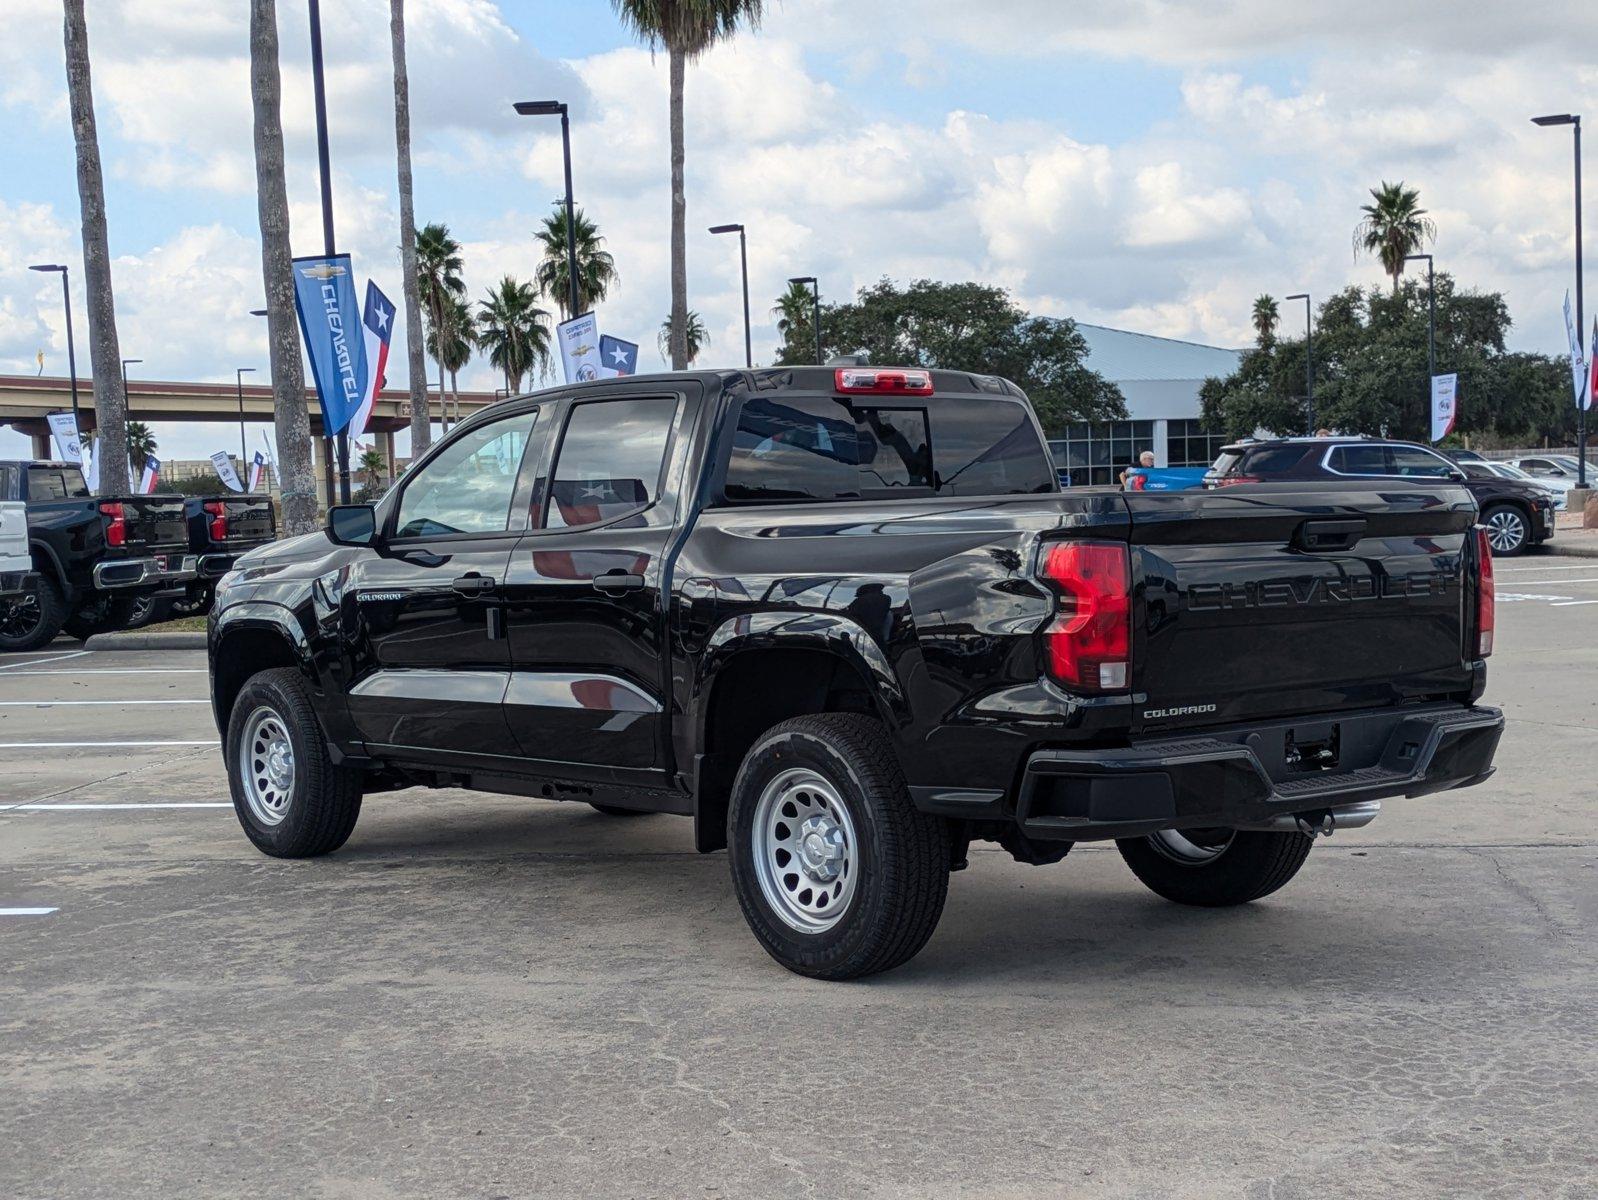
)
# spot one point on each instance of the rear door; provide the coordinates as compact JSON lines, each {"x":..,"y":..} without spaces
{"x":423,"y":615}
{"x":1298,"y":598}
{"x":587,"y":695}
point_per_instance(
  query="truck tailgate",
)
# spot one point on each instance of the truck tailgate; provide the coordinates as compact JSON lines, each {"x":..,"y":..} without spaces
{"x":249,"y":520}
{"x":1300,"y":598}
{"x":154,"y":523}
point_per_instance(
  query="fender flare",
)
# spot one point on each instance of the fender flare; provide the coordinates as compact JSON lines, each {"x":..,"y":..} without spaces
{"x":258,"y":616}
{"x":40,"y":547}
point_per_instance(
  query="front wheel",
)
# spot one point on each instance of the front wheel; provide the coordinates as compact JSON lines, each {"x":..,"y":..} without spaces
{"x":1215,"y":868}
{"x":837,"y":872}
{"x":1508,"y":531}
{"x":290,"y":797}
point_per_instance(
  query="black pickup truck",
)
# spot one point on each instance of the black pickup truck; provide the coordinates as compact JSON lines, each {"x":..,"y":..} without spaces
{"x":94,"y":559}
{"x":221,"y":528}
{"x":847,"y":622}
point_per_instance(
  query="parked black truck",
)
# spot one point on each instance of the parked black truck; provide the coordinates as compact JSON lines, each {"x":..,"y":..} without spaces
{"x":221,"y":528}
{"x":94,"y":558}
{"x":847,"y":622}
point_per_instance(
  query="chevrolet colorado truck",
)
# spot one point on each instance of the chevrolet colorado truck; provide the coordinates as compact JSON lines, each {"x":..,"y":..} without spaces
{"x":846,"y":622}
{"x":93,"y":558}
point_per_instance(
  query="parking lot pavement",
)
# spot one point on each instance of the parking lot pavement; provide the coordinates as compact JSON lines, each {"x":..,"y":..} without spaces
{"x":482,"y":996}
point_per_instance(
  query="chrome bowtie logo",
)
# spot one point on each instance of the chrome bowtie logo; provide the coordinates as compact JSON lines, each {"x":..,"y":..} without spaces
{"x":322,"y":271}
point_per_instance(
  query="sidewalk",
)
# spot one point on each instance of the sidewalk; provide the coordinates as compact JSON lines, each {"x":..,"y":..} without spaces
{"x":1570,"y":539}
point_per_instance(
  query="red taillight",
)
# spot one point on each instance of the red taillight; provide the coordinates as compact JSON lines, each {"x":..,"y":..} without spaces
{"x":217,"y":511}
{"x":1088,"y":646}
{"x":116,"y":533}
{"x":1234,"y":480}
{"x":896,"y":383}
{"x":1486,"y":595}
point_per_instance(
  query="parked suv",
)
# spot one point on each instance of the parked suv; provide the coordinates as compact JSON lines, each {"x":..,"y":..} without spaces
{"x":1517,"y":515}
{"x":846,"y":622}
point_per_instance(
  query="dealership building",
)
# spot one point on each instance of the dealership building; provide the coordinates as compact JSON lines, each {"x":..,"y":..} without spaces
{"x":1160,"y":378}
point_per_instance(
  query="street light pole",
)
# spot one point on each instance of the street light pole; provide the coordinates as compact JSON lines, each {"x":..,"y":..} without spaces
{"x":1574,"y":121}
{"x":550,"y":108}
{"x":238,"y":380}
{"x":126,"y":362}
{"x":743,"y":264}
{"x":1309,"y":359}
{"x":815,"y":305}
{"x":72,"y":354}
{"x":319,"y":91}
{"x":1431,"y":322}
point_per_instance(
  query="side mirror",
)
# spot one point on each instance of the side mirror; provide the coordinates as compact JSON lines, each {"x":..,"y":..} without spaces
{"x":352,"y":525}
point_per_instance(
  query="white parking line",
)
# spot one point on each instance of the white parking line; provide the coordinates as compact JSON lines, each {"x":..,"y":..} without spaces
{"x":1561,"y":582}
{"x":37,"y":662}
{"x":82,"y":703}
{"x":1570,"y":603}
{"x":99,"y":745}
{"x":116,"y":671}
{"x":27,"y":912}
{"x":52,"y":807}
{"x":1534,"y":568}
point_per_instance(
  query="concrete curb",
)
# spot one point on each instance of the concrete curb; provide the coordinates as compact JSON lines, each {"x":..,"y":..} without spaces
{"x":146,"y":641}
{"x":1568,"y":551}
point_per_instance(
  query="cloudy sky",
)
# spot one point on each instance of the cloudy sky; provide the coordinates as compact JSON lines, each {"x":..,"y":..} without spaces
{"x":1148,"y":164}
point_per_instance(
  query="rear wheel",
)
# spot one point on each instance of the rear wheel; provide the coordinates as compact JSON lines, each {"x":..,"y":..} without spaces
{"x":1508,"y":531}
{"x":291,"y":798}
{"x":103,"y":614}
{"x":32,"y":619}
{"x":1215,"y":868}
{"x":837,"y":872}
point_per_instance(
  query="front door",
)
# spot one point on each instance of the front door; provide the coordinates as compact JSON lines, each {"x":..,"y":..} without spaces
{"x":587,"y":693}
{"x":425,"y":613}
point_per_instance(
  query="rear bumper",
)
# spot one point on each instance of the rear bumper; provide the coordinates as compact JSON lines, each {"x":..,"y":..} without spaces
{"x":156,"y":571}
{"x":1240,"y":778}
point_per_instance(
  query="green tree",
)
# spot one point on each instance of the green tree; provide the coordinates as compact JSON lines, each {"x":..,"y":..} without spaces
{"x":685,"y":29}
{"x":1266,"y":318}
{"x":141,"y":444}
{"x":459,"y":333}
{"x":511,"y":327}
{"x":372,"y":466}
{"x":795,"y":311}
{"x":1393,"y":227}
{"x":439,"y":285}
{"x":698,"y":337}
{"x":974,"y":327}
{"x":596,"y":269}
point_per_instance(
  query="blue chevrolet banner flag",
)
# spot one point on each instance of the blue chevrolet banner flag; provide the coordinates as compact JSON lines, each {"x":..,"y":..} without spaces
{"x":330,"y":319}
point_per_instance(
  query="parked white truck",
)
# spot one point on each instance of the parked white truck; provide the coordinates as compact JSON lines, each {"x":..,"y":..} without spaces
{"x":15,"y":563}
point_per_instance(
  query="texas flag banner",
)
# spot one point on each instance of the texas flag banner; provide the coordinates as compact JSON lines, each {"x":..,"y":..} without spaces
{"x":256,"y":467}
{"x":152,"y":472}
{"x":616,"y":357}
{"x":377,"y":328}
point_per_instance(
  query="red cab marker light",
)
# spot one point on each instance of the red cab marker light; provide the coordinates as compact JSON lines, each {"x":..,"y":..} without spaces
{"x":877,"y":381}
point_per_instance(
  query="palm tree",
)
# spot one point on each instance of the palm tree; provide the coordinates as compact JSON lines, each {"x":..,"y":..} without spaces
{"x":1393,"y":227}
{"x":510,"y":326}
{"x":372,"y":466}
{"x":698,"y":337}
{"x":685,"y":29}
{"x":795,"y":312}
{"x":291,"y":420}
{"x":596,"y":269}
{"x":110,"y":397}
{"x":141,"y":444}
{"x":1266,"y":315}
{"x":439,"y":286}
{"x":456,"y":351}
{"x":421,"y":427}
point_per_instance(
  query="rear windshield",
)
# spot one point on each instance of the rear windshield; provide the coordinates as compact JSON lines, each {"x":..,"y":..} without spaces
{"x":830,"y":448}
{"x":55,"y":483}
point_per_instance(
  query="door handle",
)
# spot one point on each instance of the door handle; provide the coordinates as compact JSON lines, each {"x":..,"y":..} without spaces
{"x":1329,"y":535}
{"x":469,"y":585}
{"x":618,"y":581}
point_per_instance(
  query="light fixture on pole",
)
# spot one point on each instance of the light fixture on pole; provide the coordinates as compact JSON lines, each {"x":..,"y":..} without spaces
{"x":72,"y":354}
{"x":1309,"y":359}
{"x":238,"y":379}
{"x":1574,"y":120}
{"x":126,"y":362}
{"x":551,"y":108}
{"x":743,"y":263}
{"x":815,"y":306}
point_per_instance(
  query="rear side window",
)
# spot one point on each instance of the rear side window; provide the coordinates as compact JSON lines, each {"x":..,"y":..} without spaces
{"x":8,"y":482}
{"x":1272,"y":460}
{"x":46,"y":483}
{"x":610,"y":460}
{"x":827,"y":448}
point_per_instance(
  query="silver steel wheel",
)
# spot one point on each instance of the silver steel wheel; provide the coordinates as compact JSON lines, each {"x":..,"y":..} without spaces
{"x":266,"y":757}
{"x":1506,"y":530}
{"x":1191,"y":847}
{"x":806,"y":856}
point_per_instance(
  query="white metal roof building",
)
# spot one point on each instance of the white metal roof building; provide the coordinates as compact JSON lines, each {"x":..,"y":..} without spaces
{"x":1160,"y":378}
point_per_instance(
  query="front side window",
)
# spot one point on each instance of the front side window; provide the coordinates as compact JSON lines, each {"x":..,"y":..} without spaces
{"x":610,"y":460}
{"x":1360,"y":460}
{"x":1413,"y":462}
{"x":468,"y":486}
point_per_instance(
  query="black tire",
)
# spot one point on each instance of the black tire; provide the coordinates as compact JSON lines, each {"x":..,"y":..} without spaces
{"x":192,"y":605}
{"x":104,"y":614}
{"x":899,"y":858}
{"x":32,"y":620}
{"x":146,"y":611}
{"x":322,"y":800}
{"x":1508,"y":530}
{"x":1252,"y":865}
{"x":615,"y":810}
